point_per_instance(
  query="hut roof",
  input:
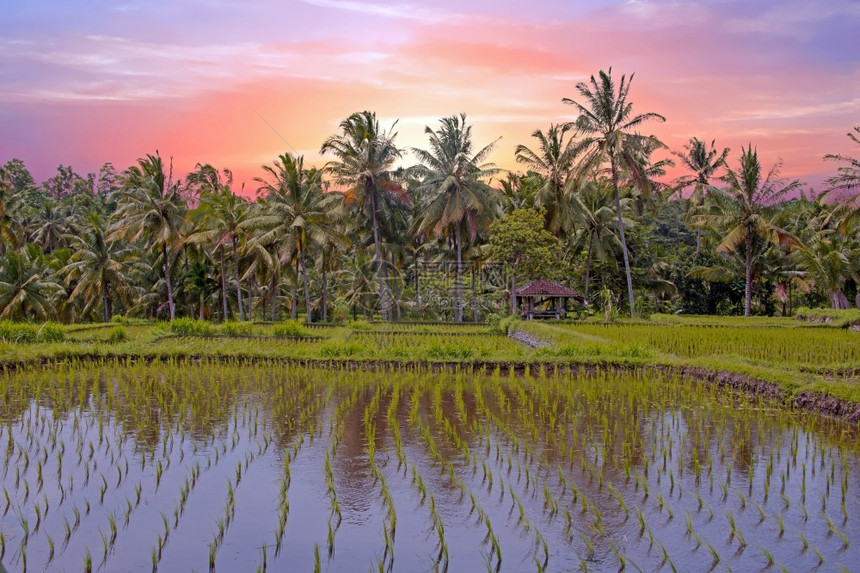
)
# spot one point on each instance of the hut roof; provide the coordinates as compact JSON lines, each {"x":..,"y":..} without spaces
{"x":543,"y":287}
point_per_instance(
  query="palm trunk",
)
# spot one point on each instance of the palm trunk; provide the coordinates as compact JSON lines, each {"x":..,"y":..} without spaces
{"x":170,"y":305}
{"x":396,"y":291}
{"x":223,"y":284}
{"x":458,"y":279}
{"x":106,"y":303}
{"x":839,"y":301}
{"x":377,"y":254}
{"x":514,"y":308}
{"x":417,"y":283}
{"x":748,"y":272}
{"x":294,"y":308}
{"x":252,"y":286}
{"x":324,"y":291}
{"x":202,"y":299}
{"x":304,"y":262}
{"x":236,"y":277}
{"x":588,"y":265}
{"x":474,"y":297}
{"x":627,"y":271}
{"x":273,"y":292}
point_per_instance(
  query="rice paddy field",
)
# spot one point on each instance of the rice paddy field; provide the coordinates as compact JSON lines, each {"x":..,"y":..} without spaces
{"x":426,"y":447}
{"x":229,"y":466}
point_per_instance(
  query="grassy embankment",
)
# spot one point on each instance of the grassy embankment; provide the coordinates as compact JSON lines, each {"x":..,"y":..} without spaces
{"x":800,"y":358}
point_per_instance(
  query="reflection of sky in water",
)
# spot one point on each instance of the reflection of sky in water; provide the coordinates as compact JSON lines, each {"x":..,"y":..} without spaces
{"x":562,"y":497}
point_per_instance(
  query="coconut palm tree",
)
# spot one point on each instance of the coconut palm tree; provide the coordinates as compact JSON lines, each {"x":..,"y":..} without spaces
{"x":219,"y":218}
{"x":294,"y":213}
{"x":553,"y":162}
{"x":518,"y":191}
{"x":27,"y":288}
{"x":151,"y":210}
{"x":742,"y":212}
{"x":848,"y":176}
{"x":827,"y":262}
{"x":453,"y":173}
{"x":703,"y":162}
{"x":51,"y":222}
{"x":10,"y":228}
{"x":365,"y":165}
{"x":98,"y":267}
{"x":606,"y":124}
{"x":594,"y":212}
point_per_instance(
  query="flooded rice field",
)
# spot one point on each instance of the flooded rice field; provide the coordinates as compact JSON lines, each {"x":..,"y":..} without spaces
{"x":231,"y":467}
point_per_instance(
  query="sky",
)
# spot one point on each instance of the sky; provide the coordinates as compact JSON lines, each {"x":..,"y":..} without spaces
{"x":235,"y":83}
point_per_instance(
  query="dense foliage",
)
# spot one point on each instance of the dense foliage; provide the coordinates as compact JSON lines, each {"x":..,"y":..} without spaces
{"x":366,"y":235}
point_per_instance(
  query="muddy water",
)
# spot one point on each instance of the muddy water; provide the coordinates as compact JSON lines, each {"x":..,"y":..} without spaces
{"x":198,"y":467}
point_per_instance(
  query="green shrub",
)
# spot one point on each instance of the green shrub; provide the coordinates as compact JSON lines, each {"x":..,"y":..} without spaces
{"x":17,"y":332}
{"x":290,"y":329}
{"x":118,"y":319}
{"x":233,"y":328}
{"x":837,"y":317}
{"x":436,"y":350}
{"x":333,"y":349}
{"x":50,"y":332}
{"x":500,"y":322}
{"x":118,"y":334}
{"x":360,"y":325}
{"x":190,"y":327}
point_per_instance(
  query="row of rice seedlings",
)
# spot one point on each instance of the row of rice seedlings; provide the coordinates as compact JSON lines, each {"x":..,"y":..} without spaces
{"x":819,"y":347}
{"x":543,"y":427}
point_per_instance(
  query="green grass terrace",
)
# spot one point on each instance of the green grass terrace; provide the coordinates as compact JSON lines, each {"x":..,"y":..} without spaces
{"x":812,"y":364}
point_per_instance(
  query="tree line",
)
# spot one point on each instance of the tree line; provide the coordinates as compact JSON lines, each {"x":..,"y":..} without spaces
{"x":729,"y":236}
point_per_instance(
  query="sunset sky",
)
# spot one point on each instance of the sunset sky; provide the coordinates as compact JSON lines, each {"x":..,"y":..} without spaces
{"x":237,"y":82}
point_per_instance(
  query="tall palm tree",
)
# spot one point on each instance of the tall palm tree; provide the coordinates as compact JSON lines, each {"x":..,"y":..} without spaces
{"x":827,"y":262}
{"x":150,"y":209}
{"x":743,"y":212}
{"x":703,"y":162}
{"x":553,"y":161}
{"x":365,"y":165}
{"x":518,"y":191}
{"x":848,"y":176}
{"x":49,"y":225}
{"x":594,"y":213}
{"x":219,"y":216}
{"x":606,"y":123}
{"x":294,"y":213}
{"x":453,"y":173}
{"x":10,"y":228}
{"x":98,"y":267}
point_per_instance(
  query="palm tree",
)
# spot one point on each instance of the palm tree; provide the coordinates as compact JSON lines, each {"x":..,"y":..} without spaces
{"x":742,"y":211}
{"x":826,"y":263}
{"x":294,"y":213}
{"x":606,"y":123}
{"x":98,"y":266}
{"x":518,"y":191}
{"x":553,"y":161}
{"x":365,"y":161}
{"x":594,"y":214}
{"x":704,"y":163}
{"x":199,"y":281}
{"x":50,"y":225}
{"x":10,"y":228}
{"x":452,"y":172}
{"x":848,"y":176}
{"x":150,"y":209}
{"x":220,"y":216}
{"x":27,"y":289}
